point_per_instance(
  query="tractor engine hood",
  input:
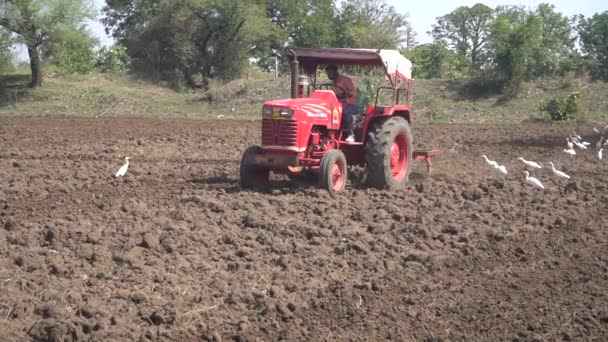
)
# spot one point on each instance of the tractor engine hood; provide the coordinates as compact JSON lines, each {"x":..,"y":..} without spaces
{"x":302,"y":108}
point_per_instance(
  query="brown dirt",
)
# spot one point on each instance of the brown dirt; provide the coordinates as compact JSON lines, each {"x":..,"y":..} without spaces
{"x":175,"y":251}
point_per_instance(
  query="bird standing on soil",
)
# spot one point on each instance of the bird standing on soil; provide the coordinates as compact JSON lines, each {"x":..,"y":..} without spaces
{"x":599,"y":154}
{"x":558,"y":173}
{"x":570,"y":144}
{"x":490,"y":162}
{"x":535,"y":183}
{"x":453,"y":149}
{"x":571,"y":151}
{"x":530,"y":163}
{"x":598,"y":145}
{"x":596,"y":130}
{"x":123,"y":169}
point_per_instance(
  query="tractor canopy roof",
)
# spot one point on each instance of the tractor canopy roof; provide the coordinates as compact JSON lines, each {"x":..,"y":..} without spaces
{"x":395,"y":65}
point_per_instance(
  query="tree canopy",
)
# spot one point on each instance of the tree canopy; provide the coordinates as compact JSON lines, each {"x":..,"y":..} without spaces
{"x":190,"y":42}
{"x":35,"y":21}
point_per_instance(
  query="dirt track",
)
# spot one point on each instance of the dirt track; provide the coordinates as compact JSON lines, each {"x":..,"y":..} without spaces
{"x":177,"y":252}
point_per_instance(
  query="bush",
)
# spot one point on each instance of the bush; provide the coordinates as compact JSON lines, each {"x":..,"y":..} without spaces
{"x":561,"y":108}
{"x":77,"y":59}
{"x":70,"y":50}
{"x":113,"y":59}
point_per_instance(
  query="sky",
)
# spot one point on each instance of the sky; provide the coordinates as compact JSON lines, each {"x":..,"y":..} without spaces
{"x":423,"y":13}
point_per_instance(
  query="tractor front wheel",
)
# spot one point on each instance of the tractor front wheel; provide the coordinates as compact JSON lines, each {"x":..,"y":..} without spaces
{"x":389,"y":152}
{"x":252,"y":177}
{"x":333,"y":171}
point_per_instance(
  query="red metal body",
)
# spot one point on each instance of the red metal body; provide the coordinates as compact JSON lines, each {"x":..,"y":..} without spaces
{"x":298,"y":132}
{"x":302,"y":139}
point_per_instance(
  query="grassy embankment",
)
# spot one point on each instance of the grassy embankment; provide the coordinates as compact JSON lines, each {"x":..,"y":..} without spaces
{"x":435,"y":101}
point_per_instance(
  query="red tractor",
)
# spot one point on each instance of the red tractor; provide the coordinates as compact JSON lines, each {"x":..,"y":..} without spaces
{"x":302,"y":135}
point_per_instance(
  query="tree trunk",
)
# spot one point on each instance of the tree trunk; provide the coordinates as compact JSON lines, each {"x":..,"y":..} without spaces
{"x":35,"y":65}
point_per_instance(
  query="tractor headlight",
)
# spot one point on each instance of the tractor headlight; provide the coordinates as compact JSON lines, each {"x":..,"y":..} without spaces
{"x":286,"y":112}
{"x":267,"y":111}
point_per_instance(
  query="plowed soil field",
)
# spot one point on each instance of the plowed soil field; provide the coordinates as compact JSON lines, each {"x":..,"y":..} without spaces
{"x":175,"y":251}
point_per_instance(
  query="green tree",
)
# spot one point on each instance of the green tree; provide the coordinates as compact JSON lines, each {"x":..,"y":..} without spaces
{"x":34,"y":21}
{"x":371,"y":24}
{"x":593,"y":33}
{"x":71,"y":49}
{"x":516,"y":35}
{"x":6,"y":43}
{"x":556,"y":42}
{"x":113,"y":59}
{"x":308,"y":23}
{"x":188,"y":40}
{"x":436,"y":61}
{"x":466,"y":30}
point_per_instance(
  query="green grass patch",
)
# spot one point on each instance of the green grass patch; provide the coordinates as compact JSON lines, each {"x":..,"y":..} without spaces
{"x":434,"y":101}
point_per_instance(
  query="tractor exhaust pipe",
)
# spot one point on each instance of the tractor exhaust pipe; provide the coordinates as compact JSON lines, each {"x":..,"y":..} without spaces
{"x":295,"y":70}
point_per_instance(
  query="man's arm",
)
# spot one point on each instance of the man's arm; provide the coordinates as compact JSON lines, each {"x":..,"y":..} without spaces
{"x":349,"y":86}
{"x":345,"y":87}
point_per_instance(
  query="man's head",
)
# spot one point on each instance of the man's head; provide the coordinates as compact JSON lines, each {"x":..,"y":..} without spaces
{"x":332,"y":71}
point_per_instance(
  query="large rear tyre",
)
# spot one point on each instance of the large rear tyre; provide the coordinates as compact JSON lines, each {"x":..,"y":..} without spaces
{"x":389,"y":152}
{"x":252,"y":177}
{"x":333,"y":171}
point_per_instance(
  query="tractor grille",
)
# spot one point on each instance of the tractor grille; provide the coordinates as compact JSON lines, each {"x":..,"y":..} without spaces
{"x":279,"y":132}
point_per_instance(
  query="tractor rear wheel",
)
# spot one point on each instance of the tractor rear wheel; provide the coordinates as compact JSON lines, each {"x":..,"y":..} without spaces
{"x":389,"y":152}
{"x":252,"y":177}
{"x":333,"y":171}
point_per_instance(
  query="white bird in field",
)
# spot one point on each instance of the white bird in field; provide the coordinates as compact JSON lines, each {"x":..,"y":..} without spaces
{"x":453,"y":149}
{"x":596,"y":130}
{"x":530,"y":163}
{"x":535,"y":183}
{"x":598,"y":145}
{"x":558,"y":173}
{"x":599,"y":154}
{"x":570,"y":151}
{"x":570,"y":144}
{"x":579,"y":145}
{"x":123,"y":169}
{"x":490,"y":162}
{"x":502,"y":169}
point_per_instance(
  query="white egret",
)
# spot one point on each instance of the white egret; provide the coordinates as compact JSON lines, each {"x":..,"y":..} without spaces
{"x":579,"y":145}
{"x":123,"y":169}
{"x":558,"y":173}
{"x":570,"y":151}
{"x":530,"y":163}
{"x":570,"y":145}
{"x":490,"y":162}
{"x":533,"y":182}
{"x":502,"y":169}
{"x":599,"y":154}
{"x":596,"y":130}
{"x":598,"y":145}
{"x":453,"y":149}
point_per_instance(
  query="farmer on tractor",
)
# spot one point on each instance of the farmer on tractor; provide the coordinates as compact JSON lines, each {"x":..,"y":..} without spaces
{"x":345,"y":91}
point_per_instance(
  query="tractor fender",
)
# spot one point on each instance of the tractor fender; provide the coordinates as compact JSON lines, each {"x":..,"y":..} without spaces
{"x":375,"y":117}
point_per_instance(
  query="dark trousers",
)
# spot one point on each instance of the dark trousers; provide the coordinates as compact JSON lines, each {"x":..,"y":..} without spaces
{"x":348,"y":118}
